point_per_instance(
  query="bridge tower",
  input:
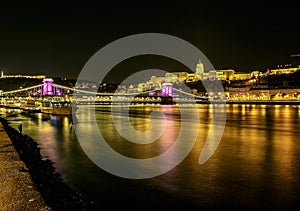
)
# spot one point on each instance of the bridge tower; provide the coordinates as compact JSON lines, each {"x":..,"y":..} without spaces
{"x":48,"y":86}
{"x":167,"y":90}
{"x":167,"y":94}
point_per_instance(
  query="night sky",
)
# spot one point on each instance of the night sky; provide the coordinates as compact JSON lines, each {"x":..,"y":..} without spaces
{"x":57,"y":38}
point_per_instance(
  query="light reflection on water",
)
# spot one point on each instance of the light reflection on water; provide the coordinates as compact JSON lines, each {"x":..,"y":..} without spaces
{"x":255,"y":165}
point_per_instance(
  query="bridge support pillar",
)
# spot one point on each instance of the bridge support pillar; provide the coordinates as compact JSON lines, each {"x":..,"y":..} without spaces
{"x":167,"y":101}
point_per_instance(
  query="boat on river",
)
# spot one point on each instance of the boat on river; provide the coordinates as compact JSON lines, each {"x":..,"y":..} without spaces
{"x":57,"y":106}
{"x":59,"y":111}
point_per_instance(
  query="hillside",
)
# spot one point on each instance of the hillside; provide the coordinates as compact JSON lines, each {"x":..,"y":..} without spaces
{"x":8,"y":84}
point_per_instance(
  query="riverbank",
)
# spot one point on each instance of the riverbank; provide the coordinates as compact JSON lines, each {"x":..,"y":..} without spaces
{"x":53,"y":193}
{"x":17,"y":190}
{"x":265,"y":102}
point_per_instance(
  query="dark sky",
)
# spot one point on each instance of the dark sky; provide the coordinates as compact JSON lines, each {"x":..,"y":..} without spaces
{"x":57,"y":38}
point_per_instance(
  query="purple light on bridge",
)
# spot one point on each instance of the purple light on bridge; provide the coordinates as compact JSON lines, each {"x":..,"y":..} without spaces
{"x":167,"y":90}
{"x":152,"y":93}
{"x":48,"y":86}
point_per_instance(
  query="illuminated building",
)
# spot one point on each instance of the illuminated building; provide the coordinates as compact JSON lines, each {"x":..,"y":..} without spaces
{"x":241,"y":76}
{"x":279,"y":71}
{"x":225,"y":74}
{"x":176,"y":76}
{"x":200,"y":69}
{"x":142,"y":87}
{"x":22,"y":76}
{"x":212,"y":75}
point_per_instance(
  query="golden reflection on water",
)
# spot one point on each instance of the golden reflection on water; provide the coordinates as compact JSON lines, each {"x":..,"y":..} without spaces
{"x":283,"y":161}
{"x":47,"y":137}
{"x":257,"y":159}
{"x":254,"y":137}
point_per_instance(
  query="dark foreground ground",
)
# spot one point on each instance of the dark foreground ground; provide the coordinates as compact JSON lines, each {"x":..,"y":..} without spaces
{"x":29,"y":182}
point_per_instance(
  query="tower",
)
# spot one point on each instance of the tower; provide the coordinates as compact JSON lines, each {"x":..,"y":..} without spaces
{"x":200,"y":69}
{"x":167,"y":90}
{"x":47,"y":86}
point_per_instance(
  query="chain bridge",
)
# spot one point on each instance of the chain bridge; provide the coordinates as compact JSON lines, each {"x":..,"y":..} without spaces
{"x":50,"y":92}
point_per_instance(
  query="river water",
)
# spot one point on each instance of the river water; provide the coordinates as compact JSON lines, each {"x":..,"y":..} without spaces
{"x":256,"y":164}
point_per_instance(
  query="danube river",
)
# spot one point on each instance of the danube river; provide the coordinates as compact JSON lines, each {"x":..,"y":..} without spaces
{"x":256,"y":164}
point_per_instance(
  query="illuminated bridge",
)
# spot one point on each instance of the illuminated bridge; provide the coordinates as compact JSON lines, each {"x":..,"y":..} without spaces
{"x":48,"y":89}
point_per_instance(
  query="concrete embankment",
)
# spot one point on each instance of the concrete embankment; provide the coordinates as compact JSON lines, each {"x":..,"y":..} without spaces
{"x":32,"y":182}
